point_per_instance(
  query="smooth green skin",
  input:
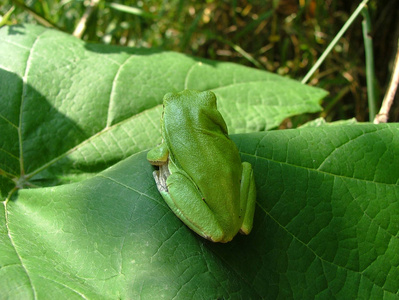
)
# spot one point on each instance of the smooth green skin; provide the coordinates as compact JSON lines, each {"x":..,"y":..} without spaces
{"x":200,"y":175}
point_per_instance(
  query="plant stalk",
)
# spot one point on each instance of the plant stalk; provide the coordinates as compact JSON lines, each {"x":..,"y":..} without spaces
{"x":370,"y":72}
{"x":335,"y":41}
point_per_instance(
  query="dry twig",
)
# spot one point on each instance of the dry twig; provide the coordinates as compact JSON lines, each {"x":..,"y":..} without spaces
{"x":382,"y":116}
{"x":80,"y":28}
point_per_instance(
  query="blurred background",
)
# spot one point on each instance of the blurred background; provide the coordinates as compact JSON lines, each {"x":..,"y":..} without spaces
{"x":281,"y":36}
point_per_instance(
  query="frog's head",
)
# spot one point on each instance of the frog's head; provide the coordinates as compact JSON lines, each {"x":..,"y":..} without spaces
{"x":191,"y":98}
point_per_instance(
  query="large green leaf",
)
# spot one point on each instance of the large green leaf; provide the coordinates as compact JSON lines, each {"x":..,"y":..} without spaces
{"x":326,"y":225}
{"x":70,"y":107}
{"x":327,"y":215}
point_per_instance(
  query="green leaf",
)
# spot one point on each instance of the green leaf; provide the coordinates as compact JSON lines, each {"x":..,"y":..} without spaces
{"x":70,"y":108}
{"x":327,"y":197}
{"x":325,"y":225}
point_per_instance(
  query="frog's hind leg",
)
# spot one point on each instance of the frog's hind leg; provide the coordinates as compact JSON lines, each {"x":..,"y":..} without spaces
{"x":186,"y":202}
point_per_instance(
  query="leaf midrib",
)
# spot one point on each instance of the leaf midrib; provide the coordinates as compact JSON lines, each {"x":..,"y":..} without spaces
{"x":5,"y":203}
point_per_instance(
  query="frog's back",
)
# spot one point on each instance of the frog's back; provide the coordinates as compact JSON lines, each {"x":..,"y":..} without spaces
{"x":194,"y":125}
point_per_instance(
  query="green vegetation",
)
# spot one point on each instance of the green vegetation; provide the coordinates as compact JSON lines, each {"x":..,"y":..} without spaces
{"x":285,"y":37}
{"x":80,"y":215}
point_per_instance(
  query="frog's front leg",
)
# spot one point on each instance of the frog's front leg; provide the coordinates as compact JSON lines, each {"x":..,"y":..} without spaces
{"x":187,"y":203}
{"x":158,"y":155}
{"x":247,"y":197}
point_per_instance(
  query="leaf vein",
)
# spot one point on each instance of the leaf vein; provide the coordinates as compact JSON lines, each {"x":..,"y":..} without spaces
{"x":111,"y":102}
{"x":7,"y":222}
{"x":22,"y":100}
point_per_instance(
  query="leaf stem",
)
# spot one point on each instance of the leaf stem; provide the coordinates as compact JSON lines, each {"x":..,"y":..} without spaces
{"x":335,"y":41}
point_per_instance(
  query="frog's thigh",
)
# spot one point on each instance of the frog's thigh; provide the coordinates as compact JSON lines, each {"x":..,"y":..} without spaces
{"x":247,"y":197}
{"x":186,"y":202}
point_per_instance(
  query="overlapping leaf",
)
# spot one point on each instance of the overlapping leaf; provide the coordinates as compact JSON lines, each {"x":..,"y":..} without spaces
{"x":70,"y":107}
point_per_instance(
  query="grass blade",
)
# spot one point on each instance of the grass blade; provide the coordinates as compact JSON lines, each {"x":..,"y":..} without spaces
{"x":335,"y":41}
